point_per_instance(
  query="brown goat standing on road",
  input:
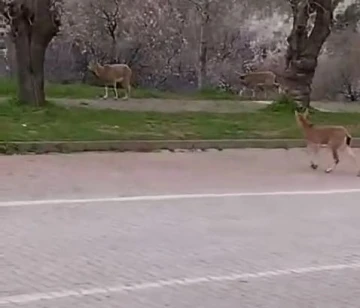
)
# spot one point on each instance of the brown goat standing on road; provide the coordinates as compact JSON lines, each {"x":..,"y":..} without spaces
{"x":334,"y":137}
{"x":111,"y":74}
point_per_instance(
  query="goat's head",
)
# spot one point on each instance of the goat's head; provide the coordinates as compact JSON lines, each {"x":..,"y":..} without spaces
{"x":302,"y":118}
{"x":93,"y":65}
{"x":240,"y":75}
{"x":281,"y":89}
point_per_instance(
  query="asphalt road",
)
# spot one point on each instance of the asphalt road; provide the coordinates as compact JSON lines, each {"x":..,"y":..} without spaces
{"x":262,"y":230}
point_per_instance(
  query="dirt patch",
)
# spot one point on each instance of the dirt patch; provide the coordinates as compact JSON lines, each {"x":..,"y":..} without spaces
{"x":337,"y":106}
{"x":167,"y":105}
{"x":178,"y":105}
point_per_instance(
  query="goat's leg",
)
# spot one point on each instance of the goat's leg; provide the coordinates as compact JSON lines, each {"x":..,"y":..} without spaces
{"x":335,"y":155}
{"x":126,"y":87}
{"x":106,"y":93}
{"x":253,"y":93}
{"x":129,"y":90}
{"x":313,"y":150}
{"x":263,"y":88}
{"x":115,"y":91}
{"x":277,"y":87}
{"x":353,"y":156}
{"x":280,"y":90}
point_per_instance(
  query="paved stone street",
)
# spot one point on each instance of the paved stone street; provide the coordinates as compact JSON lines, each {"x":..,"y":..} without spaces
{"x":257,"y":250}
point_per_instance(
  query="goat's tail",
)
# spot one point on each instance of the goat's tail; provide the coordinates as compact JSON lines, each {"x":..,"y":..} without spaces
{"x":348,"y":139}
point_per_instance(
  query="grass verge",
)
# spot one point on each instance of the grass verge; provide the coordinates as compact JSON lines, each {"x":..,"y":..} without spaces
{"x":82,"y":91}
{"x":55,"y":123}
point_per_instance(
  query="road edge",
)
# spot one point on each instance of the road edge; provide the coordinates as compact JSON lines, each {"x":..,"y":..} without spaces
{"x":41,"y":147}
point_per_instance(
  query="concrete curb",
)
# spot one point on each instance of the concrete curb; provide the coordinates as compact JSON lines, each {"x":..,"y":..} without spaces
{"x":10,"y":148}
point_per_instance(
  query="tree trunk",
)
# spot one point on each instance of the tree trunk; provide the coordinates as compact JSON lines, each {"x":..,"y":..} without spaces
{"x":113,"y":51}
{"x":30,"y":58}
{"x":299,"y":77}
{"x":350,"y":93}
{"x":202,"y":74}
{"x":304,"y":46}
{"x":203,"y":48}
{"x":33,"y":23}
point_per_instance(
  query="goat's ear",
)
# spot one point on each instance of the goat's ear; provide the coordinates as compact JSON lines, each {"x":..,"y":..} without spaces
{"x":306,"y":113}
{"x":297,"y":117}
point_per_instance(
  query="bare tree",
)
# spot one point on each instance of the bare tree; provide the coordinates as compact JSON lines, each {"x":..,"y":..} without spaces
{"x":312,"y":22}
{"x":110,"y":15}
{"x":33,"y":24}
{"x":203,"y":9}
{"x":211,"y":26}
{"x":338,"y":71}
{"x":162,"y":43}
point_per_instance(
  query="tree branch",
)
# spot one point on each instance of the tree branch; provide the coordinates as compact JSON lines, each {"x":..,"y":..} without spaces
{"x":335,"y":3}
{"x":197,"y":5}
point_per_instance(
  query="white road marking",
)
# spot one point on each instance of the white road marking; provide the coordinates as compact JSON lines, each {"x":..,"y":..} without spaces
{"x":34,"y":297}
{"x":178,"y":197}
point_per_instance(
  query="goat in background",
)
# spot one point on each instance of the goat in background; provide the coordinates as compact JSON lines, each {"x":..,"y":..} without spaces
{"x":111,"y":74}
{"x":259,"y":80}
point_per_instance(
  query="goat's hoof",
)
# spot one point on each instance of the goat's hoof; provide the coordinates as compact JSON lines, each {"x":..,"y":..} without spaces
{"x":358,"y":174}
{"x":328,"y":170}
{"x":314,"y":166}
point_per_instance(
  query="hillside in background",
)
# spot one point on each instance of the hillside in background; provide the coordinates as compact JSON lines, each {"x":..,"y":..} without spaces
{"x":162,"y":40}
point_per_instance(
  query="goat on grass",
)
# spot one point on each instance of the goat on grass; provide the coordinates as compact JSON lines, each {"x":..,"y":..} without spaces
{"x":111,"y":74}
{"x":260,"y":80}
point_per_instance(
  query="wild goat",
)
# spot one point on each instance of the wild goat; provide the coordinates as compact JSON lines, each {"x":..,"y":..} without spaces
{"x":334,"y":137}
{"x":111,"y":74}
{"x":259,"y":80}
